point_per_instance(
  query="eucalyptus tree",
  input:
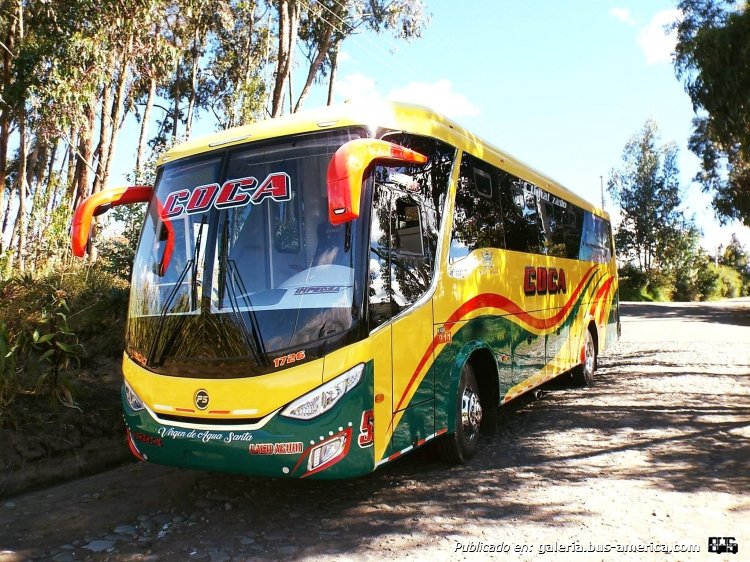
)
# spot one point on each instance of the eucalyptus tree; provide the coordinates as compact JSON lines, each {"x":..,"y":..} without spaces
{"x":321,"y":26}
{"x":647,"y":189}
{"x":235,"y":88}
{"x":9,"y":26}
{"x":53,"y":69}
{"x":154,"y":60}
{"x":712,"y":58}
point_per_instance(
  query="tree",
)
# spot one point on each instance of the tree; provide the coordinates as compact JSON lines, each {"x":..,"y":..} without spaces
{"x":737,"y":257}
{"x":687,"y":265}
{"x":327,"y":23}
{"x":647,"y":190}
{"x":72,"y":72}
{"x":235,"y":88}
{"x":712,"y":58}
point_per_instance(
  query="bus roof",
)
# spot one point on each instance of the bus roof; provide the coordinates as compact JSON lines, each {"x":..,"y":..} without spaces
{"x":391,"y":115}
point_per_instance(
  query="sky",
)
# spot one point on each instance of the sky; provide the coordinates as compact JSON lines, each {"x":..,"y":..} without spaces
{"x":560,"y":84}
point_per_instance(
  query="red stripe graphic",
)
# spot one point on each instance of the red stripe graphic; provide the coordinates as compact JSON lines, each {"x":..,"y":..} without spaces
{"x":491,"y":300}
{"x":602,"y":297}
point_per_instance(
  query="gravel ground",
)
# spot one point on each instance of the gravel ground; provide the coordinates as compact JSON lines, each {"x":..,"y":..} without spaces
{"x":654,"y":456}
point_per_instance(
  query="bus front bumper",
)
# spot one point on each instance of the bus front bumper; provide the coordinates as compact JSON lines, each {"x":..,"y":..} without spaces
{"x":336,"y":444}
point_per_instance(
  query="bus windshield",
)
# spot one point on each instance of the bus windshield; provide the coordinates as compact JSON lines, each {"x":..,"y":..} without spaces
{"x":238,"y":264}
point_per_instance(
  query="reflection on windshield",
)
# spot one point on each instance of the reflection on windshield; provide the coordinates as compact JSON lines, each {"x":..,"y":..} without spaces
{"x":256,"y":267}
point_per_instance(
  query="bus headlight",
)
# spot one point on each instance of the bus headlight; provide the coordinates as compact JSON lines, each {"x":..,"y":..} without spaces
{"x":133,"y":400}
{"x":324,"y":397}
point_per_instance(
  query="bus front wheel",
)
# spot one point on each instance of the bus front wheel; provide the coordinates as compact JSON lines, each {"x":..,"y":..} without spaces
{"x":584,"y":373}
{"x":461,"y":444}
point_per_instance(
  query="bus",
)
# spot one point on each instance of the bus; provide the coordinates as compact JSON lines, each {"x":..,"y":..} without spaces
{"x":318,"y":294}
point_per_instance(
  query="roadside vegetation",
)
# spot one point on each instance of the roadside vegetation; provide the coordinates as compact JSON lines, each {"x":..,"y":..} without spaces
{"x":658,"y":245}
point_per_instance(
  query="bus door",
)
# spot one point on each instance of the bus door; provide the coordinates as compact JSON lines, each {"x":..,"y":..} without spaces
{"x":400,"y":270}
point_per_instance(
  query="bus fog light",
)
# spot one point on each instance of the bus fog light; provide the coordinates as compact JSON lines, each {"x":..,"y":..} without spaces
{"x":326,"y":452}
{"x":133,"y":399}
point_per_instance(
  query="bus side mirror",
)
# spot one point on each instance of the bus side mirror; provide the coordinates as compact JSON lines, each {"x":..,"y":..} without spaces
{"x":347,"y":168}
{"x":99,"y":203}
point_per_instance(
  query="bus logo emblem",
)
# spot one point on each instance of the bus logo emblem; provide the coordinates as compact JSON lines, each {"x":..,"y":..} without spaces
{"x":201,"y":399}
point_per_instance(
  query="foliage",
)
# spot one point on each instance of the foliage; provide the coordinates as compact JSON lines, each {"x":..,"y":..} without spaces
{"x":119,"y":249}
{"x":637,"y":285}
{"x":728,"y":284}
{"x":72,"y":71}
{"x":687,"y":264}
{"x":659,"y":249}
{"x":712,"y":58}
{"x":737,"y":257}
{"x":53,"y":347}
{"x":690,"y":274}
{"x":58,"y":319}
{"x":8,"y":365}
{"x":647,"y":190}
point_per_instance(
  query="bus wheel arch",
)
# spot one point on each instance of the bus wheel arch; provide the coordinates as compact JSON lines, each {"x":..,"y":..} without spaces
{"x":473,"y":401}
{"x":584,"y":373}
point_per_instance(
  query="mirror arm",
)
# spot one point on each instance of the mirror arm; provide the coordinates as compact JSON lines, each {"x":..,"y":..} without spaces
{"x":99,"y":203}
{"x":347,"y":168}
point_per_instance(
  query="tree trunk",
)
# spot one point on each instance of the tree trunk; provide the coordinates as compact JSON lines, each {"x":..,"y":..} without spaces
{"x":102,"y":149}
{"x":288,"y":24}
{"x":117,"y":113}
{"x":193,"y":83}
{"x":332,"y":77}
{"x":315,"y":65}
{"x":83,"y":157}
{"x":21,"y":217}
{"x":70,"y":175}
{"x":34,"y":179}
{"x":5,"y":111}
{"x":176,"y":101}
{"x":53,"y":189}
{"x":144,"y":129}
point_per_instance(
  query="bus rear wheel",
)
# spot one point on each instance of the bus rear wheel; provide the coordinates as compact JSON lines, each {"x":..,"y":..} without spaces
{"x":461,"y":444}
{"x":584,"y":373}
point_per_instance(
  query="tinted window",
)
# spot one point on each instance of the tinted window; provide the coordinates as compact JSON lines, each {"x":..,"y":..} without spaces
{"x":407,"y":206}
{"x":565,"y":230}
{"x":477,"y":218}
{"x":596,"y":243}
{"x":496,"y":209}
{"x":524,"y":230}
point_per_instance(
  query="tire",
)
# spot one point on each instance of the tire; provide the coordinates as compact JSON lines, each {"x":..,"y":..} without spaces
{"x":583,"y":374}
{"x":461,"y":444}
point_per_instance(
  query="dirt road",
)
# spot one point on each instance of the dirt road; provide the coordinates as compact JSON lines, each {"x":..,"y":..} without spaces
{"x":655,"y":456}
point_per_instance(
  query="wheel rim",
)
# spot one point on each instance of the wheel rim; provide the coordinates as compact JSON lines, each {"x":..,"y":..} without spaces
{"x":590,"y":357}
{"x":471,"y":413}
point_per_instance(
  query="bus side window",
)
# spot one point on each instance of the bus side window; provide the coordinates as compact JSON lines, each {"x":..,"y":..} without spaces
{"x":379,"y":263}
{"x":596,"y":244}
{"x":570,"y":230}
{"x":477,"y":217}
{"x":523,"y":227}
{"x":405,"y":223}
{"x":400,"y":269}
{"x":409,"y":235}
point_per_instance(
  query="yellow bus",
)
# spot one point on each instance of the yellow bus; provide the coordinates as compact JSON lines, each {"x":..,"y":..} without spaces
{"x":316,"y":295}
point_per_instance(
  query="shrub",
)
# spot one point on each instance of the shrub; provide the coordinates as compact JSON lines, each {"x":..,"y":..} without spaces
{"x":53,"y":321}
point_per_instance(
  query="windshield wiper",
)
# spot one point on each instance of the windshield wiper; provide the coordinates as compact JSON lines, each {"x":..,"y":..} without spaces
{"x":192,"y":266}
{"x":228,"y":277}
